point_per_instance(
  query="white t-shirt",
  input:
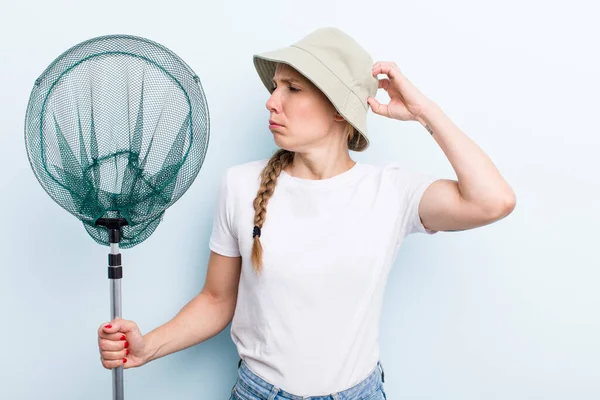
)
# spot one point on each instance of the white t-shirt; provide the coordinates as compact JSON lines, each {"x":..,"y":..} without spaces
{"x":309,"y":323}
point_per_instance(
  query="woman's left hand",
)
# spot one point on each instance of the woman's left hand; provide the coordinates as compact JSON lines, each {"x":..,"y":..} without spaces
{"x":407,"y":103}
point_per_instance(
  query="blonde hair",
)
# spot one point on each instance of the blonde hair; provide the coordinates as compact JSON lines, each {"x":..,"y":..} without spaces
{"x":279,"y":161}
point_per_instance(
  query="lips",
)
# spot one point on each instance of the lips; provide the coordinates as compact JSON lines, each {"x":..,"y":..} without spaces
{"x":271,"y":122}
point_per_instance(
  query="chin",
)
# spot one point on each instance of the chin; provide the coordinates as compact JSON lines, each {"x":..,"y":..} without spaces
{"x":289,"y":143}
{"x":280,"y":140}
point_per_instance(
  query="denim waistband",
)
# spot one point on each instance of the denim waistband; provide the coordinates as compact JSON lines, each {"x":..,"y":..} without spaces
{"x":250,"y":382}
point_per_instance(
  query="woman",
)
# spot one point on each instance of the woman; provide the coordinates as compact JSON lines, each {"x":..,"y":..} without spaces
{"x":305,"y":307}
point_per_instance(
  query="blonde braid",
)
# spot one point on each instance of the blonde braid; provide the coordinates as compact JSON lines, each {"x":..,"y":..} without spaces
{"x":280,"y":160}
{"x":353,"y":138}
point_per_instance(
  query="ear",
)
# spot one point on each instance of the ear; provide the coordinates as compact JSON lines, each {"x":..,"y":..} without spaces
{"x":337,"y":117}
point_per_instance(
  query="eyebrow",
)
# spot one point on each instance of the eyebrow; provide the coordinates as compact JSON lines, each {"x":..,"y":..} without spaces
{"x":286,"y":80}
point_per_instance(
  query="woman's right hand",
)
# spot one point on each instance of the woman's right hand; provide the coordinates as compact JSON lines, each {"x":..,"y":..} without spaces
{"x":121,"y":344}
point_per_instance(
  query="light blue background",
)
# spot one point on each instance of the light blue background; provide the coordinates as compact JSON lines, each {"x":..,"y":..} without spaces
{"x":508,"y":311}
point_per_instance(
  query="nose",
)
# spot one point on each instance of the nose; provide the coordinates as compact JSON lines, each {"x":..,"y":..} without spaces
{"x":274,"y":103}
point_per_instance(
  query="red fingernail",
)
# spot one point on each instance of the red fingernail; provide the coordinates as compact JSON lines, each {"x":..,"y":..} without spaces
{"x":108,"y":326}
{"x":124,"y":360}
{"x":126,"y":344}
{"x":123,"y":337}
{"x":126,"y":352}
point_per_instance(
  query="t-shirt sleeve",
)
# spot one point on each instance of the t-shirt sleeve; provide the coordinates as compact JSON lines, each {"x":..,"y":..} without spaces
{"x":411,"y":186}
{"x":223,"y":239}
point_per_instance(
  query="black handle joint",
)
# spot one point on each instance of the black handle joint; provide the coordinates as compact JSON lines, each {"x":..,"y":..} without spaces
{"x":114,"y":260}
{"x":115,"y":272}
{"x":114,"y":226}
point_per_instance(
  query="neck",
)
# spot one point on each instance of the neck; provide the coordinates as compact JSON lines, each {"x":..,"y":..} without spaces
{"x":319,"y":166}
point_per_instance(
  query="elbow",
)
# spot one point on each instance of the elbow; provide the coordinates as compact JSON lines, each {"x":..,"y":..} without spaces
{"x":509,"y":202}
{"x":503,"y":206}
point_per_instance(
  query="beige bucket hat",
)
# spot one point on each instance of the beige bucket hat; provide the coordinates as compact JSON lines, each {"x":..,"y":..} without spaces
{"x":338,"y":66}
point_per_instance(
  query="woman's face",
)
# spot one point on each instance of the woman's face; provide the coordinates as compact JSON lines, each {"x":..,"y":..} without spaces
{"x":301,"y":116}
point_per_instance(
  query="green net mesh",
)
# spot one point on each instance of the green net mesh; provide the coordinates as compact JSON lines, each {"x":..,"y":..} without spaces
{"x":117,"y":127}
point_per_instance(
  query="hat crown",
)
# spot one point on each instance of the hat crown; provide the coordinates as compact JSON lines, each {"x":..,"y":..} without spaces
{"x":347,"y":59}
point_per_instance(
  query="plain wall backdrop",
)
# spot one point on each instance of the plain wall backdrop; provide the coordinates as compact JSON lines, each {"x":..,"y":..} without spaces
{"x":507,"y":311}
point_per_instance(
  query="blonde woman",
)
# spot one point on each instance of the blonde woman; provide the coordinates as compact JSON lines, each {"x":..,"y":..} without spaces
{"x":303,"y":242}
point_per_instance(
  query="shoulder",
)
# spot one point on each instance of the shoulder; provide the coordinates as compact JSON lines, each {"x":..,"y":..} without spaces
{"x":243,"y":179}
{"x":397,"y":174}
{"x":386,"y":170}
{"x":246,"y":172}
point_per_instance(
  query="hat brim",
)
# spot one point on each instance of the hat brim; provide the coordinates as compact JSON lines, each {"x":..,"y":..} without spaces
{"x":343,"y":99}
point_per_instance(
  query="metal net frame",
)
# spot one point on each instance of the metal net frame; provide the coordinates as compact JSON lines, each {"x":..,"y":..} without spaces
{"x":117,"y":127}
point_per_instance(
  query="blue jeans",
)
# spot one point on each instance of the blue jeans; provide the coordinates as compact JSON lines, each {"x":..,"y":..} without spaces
{"x":250,"y":386}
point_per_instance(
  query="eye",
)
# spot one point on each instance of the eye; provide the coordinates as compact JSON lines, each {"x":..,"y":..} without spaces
{"x":292,"y":89}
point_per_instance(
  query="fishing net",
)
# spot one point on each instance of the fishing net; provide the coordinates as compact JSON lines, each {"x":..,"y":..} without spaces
{"x":117,"y":128}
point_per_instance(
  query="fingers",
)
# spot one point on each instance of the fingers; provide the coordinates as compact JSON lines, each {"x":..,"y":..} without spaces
{"x":388,"y":68}
{"x":112,"y":336}
{"x":113,"y":353}
{"x":112,"y":342}
{"x":384,"y":84}
{"x":377,"y":107}
{"x":112,"y":345}
{"x":110,"y":364}
{"x":117,"y":325}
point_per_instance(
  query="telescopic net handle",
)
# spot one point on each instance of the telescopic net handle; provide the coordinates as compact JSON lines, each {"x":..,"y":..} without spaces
{"x":115,"y":273}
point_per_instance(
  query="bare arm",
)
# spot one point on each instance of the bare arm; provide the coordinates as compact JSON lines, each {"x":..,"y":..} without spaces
{"x":205,"y":315}
{"x":479,"y":197}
